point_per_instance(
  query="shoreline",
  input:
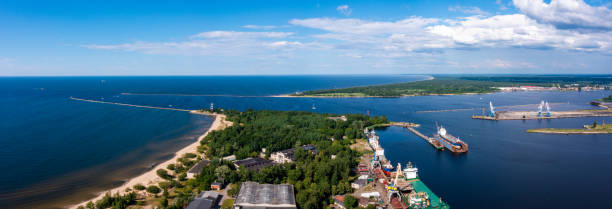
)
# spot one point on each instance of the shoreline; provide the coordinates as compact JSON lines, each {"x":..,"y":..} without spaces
{"x":566,"y":132}
{"x":150,"y":177}
{"x":401,"y":96}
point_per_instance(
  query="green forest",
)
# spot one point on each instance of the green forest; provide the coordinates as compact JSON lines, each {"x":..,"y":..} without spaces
{"x":456,"y":85}
{"x":316,"y":178}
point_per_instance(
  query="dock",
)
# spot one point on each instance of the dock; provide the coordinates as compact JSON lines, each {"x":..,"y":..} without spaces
{"x":533,"y":115}
{"x":428,"y":139}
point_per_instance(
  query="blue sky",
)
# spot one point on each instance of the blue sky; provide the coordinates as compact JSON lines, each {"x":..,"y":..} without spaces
{"x":40,"y":38}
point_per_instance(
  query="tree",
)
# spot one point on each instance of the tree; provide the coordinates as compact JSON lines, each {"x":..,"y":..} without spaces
{"x":163,"y":174}
{"x":170,"y":166}
{"x":234,"y":189}
{"x":222,"y":171}
{"x":594,"y":124}
{"x":153,"y":190}
{"x":350,"y":202}
{"x":139,"y":187}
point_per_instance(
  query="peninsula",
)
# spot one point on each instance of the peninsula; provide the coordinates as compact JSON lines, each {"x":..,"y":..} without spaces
{"x":452,"y":85}
{"x":588,"y":129}
{"x":245,"y":146}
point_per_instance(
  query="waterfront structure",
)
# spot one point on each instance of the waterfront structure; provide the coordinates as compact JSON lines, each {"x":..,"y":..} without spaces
{"x":253,"y":163}
{"x":253,"y":195}
{"x":205,"y":200}
{"x":492,"y":110}
{"x":197,"y":168}
{"x":450,"y":142}
{"x":410,"y":172}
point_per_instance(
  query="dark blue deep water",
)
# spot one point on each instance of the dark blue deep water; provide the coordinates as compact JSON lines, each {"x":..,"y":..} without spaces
{"x":55,"y":151}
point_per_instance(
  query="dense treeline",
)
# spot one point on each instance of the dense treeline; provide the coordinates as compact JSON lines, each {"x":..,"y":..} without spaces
{"x":569,"y":79}
{"x":458,"y":85}
{"x":278,"y":130}
{"x":315,"y":177}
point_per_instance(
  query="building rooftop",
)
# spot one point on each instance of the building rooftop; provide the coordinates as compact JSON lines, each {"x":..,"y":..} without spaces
{"x":204,"y":200}
{"x":254,"y":163}
{"x":197,"y":168}
{"x":255,"y":195}
{"x":290,"y":152}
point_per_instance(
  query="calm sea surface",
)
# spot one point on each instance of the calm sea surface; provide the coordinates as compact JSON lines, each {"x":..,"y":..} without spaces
{"x":55,"y":151}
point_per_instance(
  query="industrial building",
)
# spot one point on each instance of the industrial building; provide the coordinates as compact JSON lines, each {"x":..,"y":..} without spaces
{"x":205,"y":200}
{"x":253,"y":164}
{"x":253,"y":195}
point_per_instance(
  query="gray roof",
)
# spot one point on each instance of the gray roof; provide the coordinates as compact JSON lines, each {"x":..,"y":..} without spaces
{"x":255,"y":195}
{"x":204,"y":200}
{"x":197,"y":168}
{"x":254,"y":163}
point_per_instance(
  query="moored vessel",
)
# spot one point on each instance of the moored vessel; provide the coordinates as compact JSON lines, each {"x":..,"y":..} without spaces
{"x":450,"y":142}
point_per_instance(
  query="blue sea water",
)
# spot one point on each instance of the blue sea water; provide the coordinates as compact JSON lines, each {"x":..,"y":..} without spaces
{"x":62,"y":151}
{"x":56,"y":151}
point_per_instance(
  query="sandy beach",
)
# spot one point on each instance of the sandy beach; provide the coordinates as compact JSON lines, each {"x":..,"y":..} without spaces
{"x":150,"y":177}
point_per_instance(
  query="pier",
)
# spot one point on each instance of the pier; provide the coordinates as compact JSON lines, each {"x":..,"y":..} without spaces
{"x":533,"y":115}
{"x":144,"y":106}
{"x":428,"y":139}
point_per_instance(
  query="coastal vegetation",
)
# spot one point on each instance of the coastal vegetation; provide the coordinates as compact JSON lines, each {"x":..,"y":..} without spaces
{"x":316,"y":176}
{"x":456,"y":85}
{"x":594,"y":128}
{"x":607,"y":99}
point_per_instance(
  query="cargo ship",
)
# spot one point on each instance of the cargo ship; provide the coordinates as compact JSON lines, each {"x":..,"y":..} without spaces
{"x":450,"y":142}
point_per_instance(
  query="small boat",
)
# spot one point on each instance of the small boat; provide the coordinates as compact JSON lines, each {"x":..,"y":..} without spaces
{"x":313,"y":107}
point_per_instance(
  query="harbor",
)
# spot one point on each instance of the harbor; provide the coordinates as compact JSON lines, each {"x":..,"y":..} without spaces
{"x":396,"y":188}
{"x":543,"y":112}
{"x":440,"y":141}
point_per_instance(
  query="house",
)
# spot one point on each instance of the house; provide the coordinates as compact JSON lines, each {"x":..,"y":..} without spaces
{"x":253,"y":163}
{"x":205,"y":200}
{"x":253,"y":195}
{"x":339,"y":201}
{"x":197,"y":168}
{"x":287,"y":156}
{"x":229,"y":158}
{"x":359,"y":183}
{"x":216,"y":186}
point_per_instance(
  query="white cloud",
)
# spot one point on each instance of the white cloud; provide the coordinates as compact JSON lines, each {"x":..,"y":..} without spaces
{"x":501,"y":5}
{"x":467,"y":10}
{"x":567,"y":14}
{"x":344,"y":9}
{"x":504,"y":64}
{"x":238,"y":35}
{"x":260,"y":27}
{"x":410,"y":37}
{"x":221,"y":43}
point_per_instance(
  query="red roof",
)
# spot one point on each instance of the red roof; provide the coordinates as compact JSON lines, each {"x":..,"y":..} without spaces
{"x":339,"y":198}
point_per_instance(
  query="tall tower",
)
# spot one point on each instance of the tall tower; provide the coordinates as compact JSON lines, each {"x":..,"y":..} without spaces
{"x":212,"y":106}
{"x":492,"y":109}
{"x":540,"y":108}
{"x":547,"y":110}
